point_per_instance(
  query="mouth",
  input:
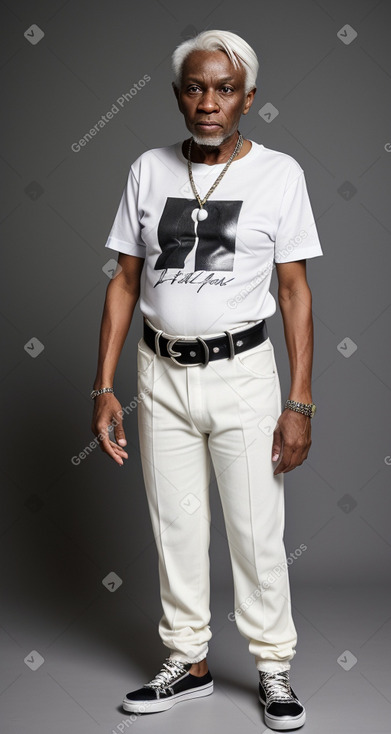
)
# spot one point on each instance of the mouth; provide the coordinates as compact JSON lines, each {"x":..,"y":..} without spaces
{"x":208,"y":125}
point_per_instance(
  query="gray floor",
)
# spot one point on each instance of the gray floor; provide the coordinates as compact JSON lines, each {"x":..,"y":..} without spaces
{"x":98,"y":651}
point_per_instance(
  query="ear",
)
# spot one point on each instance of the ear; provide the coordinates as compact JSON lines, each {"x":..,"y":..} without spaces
{"x":249,"y":100}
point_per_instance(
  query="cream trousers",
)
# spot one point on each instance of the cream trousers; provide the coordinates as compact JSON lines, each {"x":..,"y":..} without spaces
{"x":223,"y":413}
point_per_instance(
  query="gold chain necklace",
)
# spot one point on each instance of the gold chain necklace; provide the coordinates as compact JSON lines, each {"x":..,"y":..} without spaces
{"x":201,"y":214}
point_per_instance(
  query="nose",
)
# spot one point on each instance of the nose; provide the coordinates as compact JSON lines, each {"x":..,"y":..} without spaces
{"x":208,"y":102}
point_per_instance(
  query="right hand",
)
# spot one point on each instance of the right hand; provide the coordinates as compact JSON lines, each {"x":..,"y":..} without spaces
{"x":107,"y":411}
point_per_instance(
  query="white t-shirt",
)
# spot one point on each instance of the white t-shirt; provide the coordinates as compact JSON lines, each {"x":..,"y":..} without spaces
{"x":202,"y":277}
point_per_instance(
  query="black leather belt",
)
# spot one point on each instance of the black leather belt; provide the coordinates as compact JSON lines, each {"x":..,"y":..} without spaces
{"x":188,"y":352}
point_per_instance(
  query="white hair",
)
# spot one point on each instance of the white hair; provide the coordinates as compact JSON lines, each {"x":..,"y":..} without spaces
{"x":238,"y":51}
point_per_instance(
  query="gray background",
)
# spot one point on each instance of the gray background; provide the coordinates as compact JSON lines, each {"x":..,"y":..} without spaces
{"x":64,"y":528}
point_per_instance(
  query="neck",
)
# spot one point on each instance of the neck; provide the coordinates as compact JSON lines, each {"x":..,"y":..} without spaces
{"x":212,"y":154}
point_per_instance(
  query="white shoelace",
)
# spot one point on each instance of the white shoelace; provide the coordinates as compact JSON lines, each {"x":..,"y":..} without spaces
{"x":277,"y":687}
{"x":170,"y":671}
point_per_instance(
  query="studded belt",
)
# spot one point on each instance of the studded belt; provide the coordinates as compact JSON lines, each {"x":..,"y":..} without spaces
{"x":192,"y":351}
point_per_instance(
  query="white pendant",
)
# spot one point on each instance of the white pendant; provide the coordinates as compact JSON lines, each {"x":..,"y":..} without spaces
{"x":199,"y":215}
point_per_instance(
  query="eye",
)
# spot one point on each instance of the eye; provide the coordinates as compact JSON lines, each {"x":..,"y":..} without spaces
{"x":196,"y":88}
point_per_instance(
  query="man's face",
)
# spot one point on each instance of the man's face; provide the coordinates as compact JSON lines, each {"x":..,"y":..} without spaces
{"x":212,"y":91}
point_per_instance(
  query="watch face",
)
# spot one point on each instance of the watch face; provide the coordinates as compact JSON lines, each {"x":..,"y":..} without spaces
{"x":313,"y":409}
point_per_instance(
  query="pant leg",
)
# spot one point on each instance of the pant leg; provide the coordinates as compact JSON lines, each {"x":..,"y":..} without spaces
{"x":245,"y":401}
{"x":176,"y":469}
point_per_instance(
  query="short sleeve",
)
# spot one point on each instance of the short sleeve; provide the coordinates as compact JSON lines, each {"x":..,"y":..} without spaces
{"x":297,"y":237}
{"x":125,"y":234}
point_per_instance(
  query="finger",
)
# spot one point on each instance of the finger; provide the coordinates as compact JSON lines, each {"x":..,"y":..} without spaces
{"x":118,"y":449}
{"x":120,"y":435}
{"x":277,"y":444}
{"x":286,"y":460}
{"x":107,"y":447}
{"x":294,"y":461}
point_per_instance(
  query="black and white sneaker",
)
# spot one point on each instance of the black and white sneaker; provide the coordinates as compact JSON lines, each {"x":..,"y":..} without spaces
{"x":171,"y":685}
{"x":283,"y":709}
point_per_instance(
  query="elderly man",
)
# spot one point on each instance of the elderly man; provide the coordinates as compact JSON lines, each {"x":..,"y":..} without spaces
{"x":209,"y":217}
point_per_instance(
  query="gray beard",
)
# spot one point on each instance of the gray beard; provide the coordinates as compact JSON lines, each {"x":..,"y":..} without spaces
{"x":213,"y":141}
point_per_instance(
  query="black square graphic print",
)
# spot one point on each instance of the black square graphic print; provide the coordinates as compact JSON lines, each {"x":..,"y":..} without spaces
{"x":214,"y":238}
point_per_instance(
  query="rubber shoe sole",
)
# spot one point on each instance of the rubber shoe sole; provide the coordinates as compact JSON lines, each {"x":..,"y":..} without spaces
{"x":279,"y":723}
{"x":163,"y":704}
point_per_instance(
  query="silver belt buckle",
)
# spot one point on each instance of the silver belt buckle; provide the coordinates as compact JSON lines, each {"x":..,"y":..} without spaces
{"x":170,"y":349}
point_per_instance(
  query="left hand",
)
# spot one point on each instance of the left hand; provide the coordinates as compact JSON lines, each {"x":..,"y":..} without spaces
{"x":291,"y":440}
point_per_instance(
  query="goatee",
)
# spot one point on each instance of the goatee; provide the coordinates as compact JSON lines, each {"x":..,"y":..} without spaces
{"x":213,"y":141}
